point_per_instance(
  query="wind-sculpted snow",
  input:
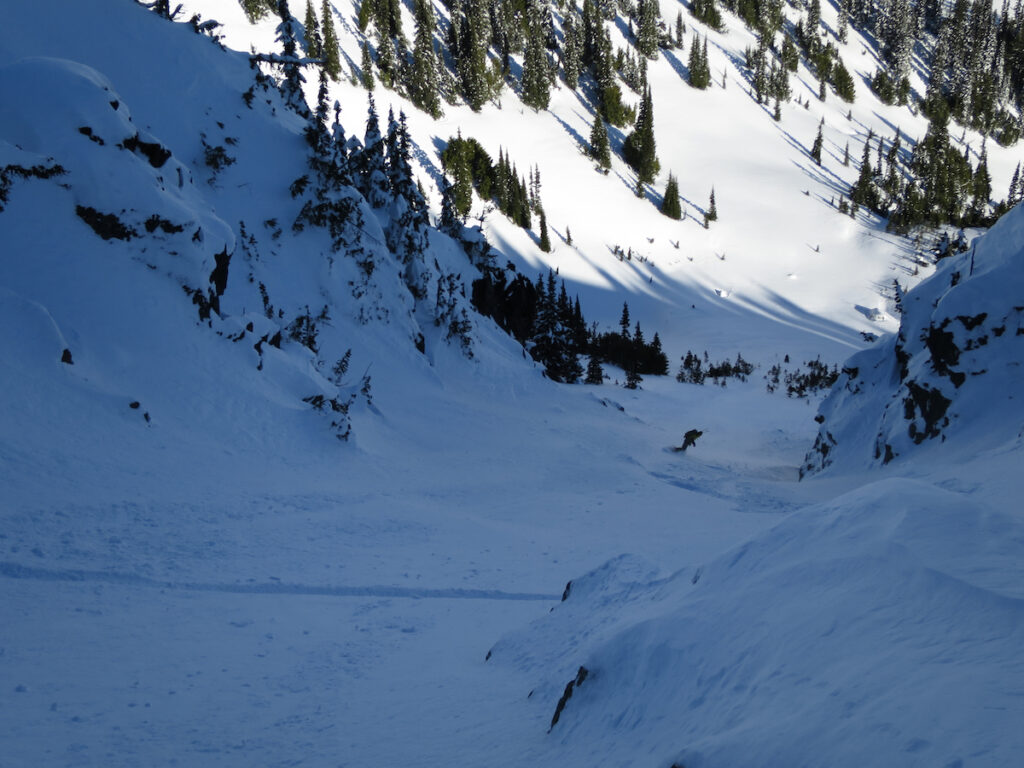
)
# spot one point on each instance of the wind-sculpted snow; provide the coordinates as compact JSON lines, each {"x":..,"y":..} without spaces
{"x":952,"y":373}
{"x":882,"y":628}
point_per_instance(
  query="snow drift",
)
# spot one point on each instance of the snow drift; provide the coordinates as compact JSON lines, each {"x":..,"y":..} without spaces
{"x":882,"y":629}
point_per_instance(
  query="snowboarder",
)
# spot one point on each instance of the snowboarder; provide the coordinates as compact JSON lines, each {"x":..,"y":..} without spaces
{"x":690,"y":438}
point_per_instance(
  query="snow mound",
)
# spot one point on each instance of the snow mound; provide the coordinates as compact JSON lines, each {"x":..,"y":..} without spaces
{"x":881,"y":628}
{"x":951,"y":373}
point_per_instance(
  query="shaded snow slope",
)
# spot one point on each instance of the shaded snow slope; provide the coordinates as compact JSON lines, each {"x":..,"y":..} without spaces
{"x":952,"y":373}
{"x":881,"y":628}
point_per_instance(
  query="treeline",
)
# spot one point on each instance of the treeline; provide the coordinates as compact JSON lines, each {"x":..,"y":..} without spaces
{"x":552,"y":328}
{"x":471,"y":167}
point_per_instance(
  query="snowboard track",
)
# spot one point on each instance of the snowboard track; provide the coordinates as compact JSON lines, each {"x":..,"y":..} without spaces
{"x":17,"y":571}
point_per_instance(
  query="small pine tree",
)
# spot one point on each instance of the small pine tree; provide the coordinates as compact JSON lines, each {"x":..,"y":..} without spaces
{"x":1012,"y":197}
{"x":600,"y":149}
{"x":545,"y":242}
{"x":712,"y":214}
{"x":595,"y":373}
{"x":624,"y":319}
{"x":818,"y":141}
{"x":670,"y":205}
{"x":633,"y":377}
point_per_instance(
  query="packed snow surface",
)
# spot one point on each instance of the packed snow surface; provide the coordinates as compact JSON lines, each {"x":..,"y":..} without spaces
{"x":194,"y":570}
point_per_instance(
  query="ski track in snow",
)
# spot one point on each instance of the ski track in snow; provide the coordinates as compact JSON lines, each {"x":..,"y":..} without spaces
{"x":16,"y":571}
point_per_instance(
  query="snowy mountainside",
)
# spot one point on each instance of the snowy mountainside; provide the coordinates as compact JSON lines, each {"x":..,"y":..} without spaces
{"x":194,"y":204}
{"x":780,"y":250}
{"x":951,"y":373}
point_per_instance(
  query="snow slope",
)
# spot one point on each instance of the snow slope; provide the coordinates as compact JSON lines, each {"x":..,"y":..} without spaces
{"x":195,"y":571}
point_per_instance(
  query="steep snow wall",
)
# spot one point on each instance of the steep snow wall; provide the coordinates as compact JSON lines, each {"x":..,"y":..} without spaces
{"x":951,"y":374}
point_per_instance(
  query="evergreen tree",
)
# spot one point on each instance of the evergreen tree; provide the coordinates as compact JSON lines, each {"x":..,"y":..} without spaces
{"x":408,"y":223}
{"x":700,"y":70}
{"x":463,"y":184}
{"x":843,"y":82}
{"x":844,"y":20}
{"x":472,"y":58}
{"x":536,"y":88}
{"x":371,"y":176}
{"x":287,"y":36}
{"x":862,"y":192}
{"x":670,"y":205}
{"x":706,"y":12}
{"x":658,"y":363}
{"x":449,"y":223}
{"x":639,"y":148}
{"x":818,"y":141}
{"x":331,"y":54}
{"x":331,"y":202}
{"x":813,"y":17}
{"x":981,"y":186}
{"x":423,"y":84}
{"x":624,"y":319}
{"x":545,"y":242}
{"x":712,"y":214}
{"x":647,"y":28}
{"x":633,"y":377}
{"x":314,"y":44}
{"x":387,"y":62}
{"x":595,"y":374}
{"x":572,"y":48}
{"x":551,"y":341}
{"x":790,"y":55}
{"x":365,"y":14}
{"x":254,"y":9}
{"x":600,"y":149}
{"x":367,"y":68}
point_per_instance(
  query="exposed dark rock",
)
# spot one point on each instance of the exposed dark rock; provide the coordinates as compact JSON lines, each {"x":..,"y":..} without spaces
{"x":931,"y":405}
{"x":155,"y":153}
{"x":581,"y":675}
{"x":106,"y":225}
